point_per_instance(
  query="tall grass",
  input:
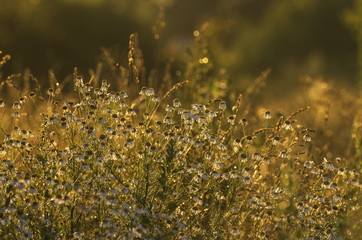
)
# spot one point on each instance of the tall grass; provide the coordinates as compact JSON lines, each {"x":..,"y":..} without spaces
{"x":133,"y":165}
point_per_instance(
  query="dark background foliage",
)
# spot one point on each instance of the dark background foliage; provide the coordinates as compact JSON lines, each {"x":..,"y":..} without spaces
{"x":293,"y":38}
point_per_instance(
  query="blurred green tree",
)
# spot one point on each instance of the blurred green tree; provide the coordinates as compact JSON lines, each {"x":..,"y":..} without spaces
{"x":353,"y":19}
{"x":292,"y":37}
{"x":62,"y":34}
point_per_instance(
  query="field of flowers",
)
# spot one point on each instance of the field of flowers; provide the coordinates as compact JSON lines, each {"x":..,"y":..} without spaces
{"x":185,"y":161}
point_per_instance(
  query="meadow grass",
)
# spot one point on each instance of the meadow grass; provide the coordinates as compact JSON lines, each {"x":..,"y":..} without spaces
{"x":128,"y":164}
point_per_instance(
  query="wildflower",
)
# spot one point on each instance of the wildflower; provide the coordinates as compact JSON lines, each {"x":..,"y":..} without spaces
{"x":97,"y":92}
{"x":22,"y":99}
{"x":221,"y":147}
{"x":287,"y":125}
{"x":115,"y":116}
{"x":225,"y":176}
{"x":195,"y":109}
{"x":16,"y":106}
{"x":355,"y":173}
{"x":265,"y":160}
{"x":79,"y":81}
{"x":307,"y":138}
{"x":32,"y":95}
{"x":153,"y":149}
{"x":334,"y":186}
{"x":109,"y":111}
{"x":222,"y":105}
{"x":283,"y":155}
{"x":65,"y":109}
{"x":130,"y":112}
{"x":24,"y":142}
{"x":129,"y":143}
{"x":15,"y":129}
{"x":198,"y":144}
{"x":267,"y":115}
{"x":247,"y":180}
{"x":2,"y":103}
{"x":210,"y":115}
{"x":115,"y":97}
{"x":276,"y":193}
{"x":213,"y":140}
{"x":185,"y":114}
{"x":50,"y":92}
{"x":123,"y":95}
{"x":150,"y":92}
{"x":104,"y":86}
{"x":325,"y":185}
{"x":231,"y":120}
{"x":169,"y":108}
{"x":328,"y":165}
{"x":202,"y":108}
{"x":90,"y":132}
{"x":155,"y":99}
{"x":123,"y":104}
{"x":86,"y":89}
{"x":355,"y":182}
{"x":167,"y":120}
{"x":176,"y":103}
{"x":337,"y":198}
{"x":103,"y":138}
{"x":263,"y":235}
{"x":237,"y":143}
{"x":201,"y":120}
{"x":256,"y":156}
{"x":16,"y":115}
{"x":242,"y":157}
{"x":217,"y":166}
{"x":275,"y":141}
{"x":64,"y":125}
{"x":77,"y":235}
{"x":234,"y":232}
{"x":53,"y":119}
{"x":143,"y":91}
{"x":308,"y":164}
{"x":79,"y":157}
{"x":101,"y":121}
{"x":244,"y":122}
{"x":341,"y":172}
{"x":300,"y":205}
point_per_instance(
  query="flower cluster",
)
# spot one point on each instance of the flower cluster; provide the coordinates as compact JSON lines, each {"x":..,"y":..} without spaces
{"x":107,"y":167}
